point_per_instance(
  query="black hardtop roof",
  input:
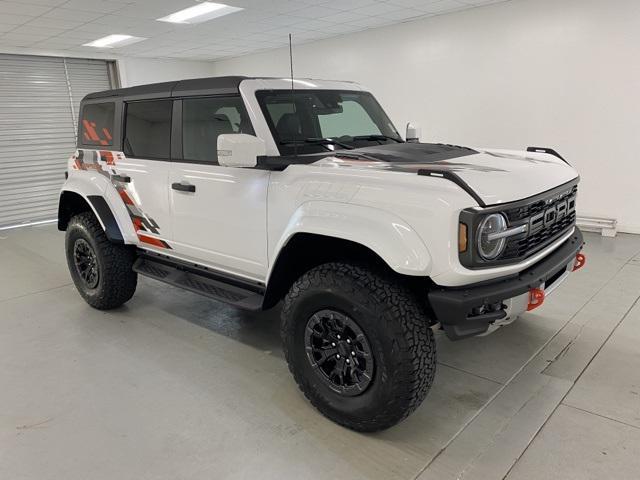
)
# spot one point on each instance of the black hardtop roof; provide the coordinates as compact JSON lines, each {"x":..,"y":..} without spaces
{"x":205,"y":86}
{"x":197,"y":86}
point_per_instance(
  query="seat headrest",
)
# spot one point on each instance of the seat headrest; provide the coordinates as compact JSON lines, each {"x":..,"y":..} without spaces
{"x":289,"y":127}
{"x":222,"y":124}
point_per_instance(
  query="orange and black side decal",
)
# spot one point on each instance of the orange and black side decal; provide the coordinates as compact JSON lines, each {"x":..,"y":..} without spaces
{"x":105,"y":162}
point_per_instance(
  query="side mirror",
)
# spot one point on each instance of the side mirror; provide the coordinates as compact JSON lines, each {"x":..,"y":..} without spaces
{"x":413,"y":133}
{"x":240,"y":150}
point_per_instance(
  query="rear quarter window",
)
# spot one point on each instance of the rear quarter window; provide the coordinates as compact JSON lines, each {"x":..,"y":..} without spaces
{"x":97,"y":124}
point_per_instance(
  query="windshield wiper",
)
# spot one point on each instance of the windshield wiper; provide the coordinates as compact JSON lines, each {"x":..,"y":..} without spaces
{"x":324,"y":142}
{"x":376,"y":136}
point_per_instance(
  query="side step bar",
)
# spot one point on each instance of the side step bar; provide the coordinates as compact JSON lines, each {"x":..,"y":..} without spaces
{"x":219,"y":286}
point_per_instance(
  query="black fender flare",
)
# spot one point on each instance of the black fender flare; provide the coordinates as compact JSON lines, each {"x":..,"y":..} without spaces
{"x":106,"y":217}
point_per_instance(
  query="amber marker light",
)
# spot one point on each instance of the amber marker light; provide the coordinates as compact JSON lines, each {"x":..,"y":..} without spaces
{"x":462,"y":238}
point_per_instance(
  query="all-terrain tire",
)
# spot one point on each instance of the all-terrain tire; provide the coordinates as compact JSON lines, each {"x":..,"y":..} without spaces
{"x":116,"y":281}
{"x":396,"y":326}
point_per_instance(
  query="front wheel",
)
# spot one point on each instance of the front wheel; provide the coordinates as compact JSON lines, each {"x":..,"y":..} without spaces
{"x":359,"y":345}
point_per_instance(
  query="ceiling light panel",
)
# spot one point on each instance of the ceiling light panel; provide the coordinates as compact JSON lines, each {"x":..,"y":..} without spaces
{"x":115,"y":40}
{"x":201,"y":12}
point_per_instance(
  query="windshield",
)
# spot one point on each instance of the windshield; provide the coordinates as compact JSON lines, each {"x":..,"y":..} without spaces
{"x":325,"y":120}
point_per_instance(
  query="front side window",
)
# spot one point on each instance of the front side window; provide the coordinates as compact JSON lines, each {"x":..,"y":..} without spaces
{"x":147,"y":129}
{"x":311,"y":121}
{"x":204,"y":119}
{"x":97,"y":124}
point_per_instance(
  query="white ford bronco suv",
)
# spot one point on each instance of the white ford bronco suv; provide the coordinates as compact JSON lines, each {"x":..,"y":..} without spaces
{"x":257,"y":191}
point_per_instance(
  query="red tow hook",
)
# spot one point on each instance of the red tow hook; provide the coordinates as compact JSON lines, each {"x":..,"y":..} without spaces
{"x":536,"y":298}
{"x":580,"y":261}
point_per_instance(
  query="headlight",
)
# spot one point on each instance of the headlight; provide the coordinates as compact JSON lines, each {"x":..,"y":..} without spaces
{"x":491,"y":245}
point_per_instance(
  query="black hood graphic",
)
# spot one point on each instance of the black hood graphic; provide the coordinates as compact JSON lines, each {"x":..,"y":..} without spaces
{"x":408,"y":152}
{"x":415,"y":157}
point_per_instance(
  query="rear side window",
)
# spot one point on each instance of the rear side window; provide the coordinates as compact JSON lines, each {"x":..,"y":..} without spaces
{"x":147,"y":129}
{"x":97,"y":123}
{"x":203,"y":119}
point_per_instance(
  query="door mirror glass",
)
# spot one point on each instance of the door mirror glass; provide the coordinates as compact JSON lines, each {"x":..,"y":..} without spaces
{"x":240,"y":150}
{"x":413,"y":133}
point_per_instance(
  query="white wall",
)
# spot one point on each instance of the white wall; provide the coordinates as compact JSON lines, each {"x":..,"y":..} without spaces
{"x":558,"y":73}
{"x":138,"y":71}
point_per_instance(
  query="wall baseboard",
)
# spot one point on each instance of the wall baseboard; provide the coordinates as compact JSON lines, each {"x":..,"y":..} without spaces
{"x":632,"y":229}
{"x":607,"y":227}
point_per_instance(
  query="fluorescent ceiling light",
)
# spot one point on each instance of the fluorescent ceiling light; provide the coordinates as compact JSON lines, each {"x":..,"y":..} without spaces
{"x":200,"y":13}
{"x":115,"y":40}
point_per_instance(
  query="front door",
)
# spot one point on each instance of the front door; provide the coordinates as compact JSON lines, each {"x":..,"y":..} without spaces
{"x":219,"y":214}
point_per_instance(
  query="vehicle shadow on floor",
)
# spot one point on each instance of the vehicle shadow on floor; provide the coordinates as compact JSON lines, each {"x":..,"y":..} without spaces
{"x":260,"y":330}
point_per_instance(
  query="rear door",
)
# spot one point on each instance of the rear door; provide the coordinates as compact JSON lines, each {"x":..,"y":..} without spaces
{"x":144,"y":170}
{"x":219,"y":213}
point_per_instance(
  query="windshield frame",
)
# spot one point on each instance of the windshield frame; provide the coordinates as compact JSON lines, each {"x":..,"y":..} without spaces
{"x":288,"y":148}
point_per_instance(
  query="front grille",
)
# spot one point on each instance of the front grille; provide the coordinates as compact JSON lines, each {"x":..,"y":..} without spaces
{"x":530,"y":245}
{"x":515,"y":215}
{"x":519,"y":247}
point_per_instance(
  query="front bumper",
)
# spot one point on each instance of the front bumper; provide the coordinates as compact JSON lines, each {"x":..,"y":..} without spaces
{"x":470,"y":310}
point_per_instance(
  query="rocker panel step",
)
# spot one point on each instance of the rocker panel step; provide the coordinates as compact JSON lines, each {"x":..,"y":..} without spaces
{"x":203,"y":282}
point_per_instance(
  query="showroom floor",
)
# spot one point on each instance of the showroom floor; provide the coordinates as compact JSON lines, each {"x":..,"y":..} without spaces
{"x":177,"y":386}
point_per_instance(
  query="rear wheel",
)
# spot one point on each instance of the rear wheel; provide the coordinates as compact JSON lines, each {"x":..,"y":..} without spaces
{"x":359,"y":345}
{"x":101,"y":270}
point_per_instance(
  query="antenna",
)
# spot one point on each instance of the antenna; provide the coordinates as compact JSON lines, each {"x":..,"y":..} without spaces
{"x":293,"y":98}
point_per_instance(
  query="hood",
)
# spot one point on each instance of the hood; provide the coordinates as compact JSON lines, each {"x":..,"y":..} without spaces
{"x":494,"y":176}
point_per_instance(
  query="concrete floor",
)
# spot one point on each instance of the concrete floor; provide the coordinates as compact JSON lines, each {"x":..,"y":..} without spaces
{"x":175,"y":386}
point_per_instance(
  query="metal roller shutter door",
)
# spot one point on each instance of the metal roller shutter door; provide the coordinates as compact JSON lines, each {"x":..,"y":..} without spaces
{"x":85,"y":76}
{"x":39,"y":98}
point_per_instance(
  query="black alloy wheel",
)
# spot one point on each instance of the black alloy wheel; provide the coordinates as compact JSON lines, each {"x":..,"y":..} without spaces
{"x":339,"y":352}
{"x":86,"y":263}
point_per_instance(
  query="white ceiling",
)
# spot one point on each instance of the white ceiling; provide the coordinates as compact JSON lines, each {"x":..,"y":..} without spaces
{"x":64,"y":25}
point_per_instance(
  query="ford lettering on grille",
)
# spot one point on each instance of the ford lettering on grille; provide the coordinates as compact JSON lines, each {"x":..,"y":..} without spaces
{"x":546,"y":221}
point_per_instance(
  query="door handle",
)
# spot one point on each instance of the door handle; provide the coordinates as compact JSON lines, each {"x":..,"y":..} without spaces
{"x":183,"y":187}
{"x":121,"y":178}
